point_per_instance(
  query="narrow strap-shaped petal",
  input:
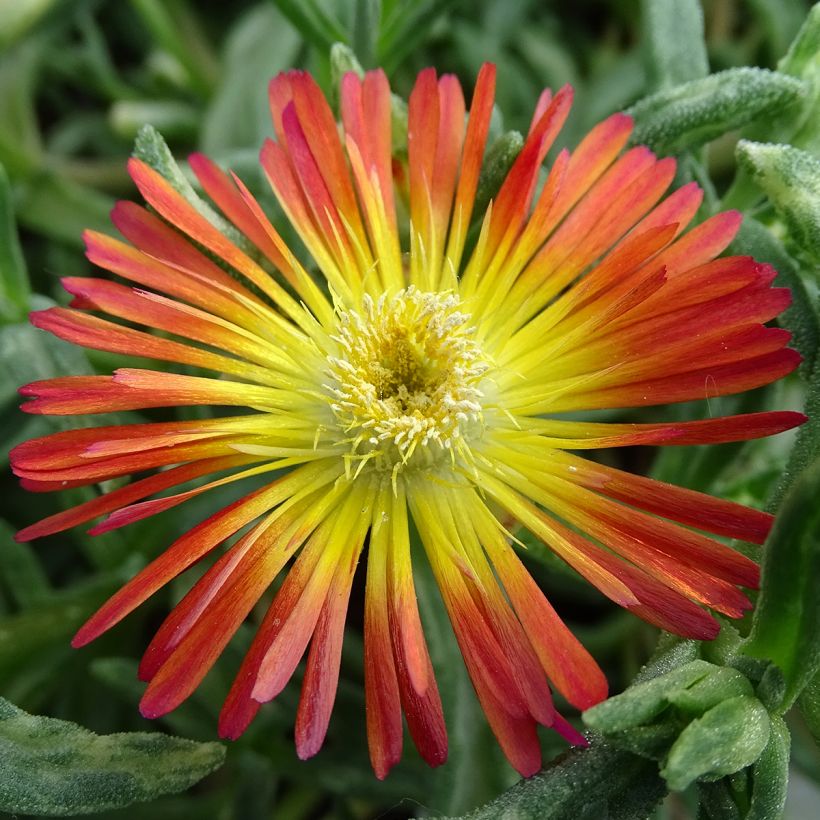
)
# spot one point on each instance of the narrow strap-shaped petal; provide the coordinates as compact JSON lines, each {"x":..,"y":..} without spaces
{"x":192,"y":285}
{"x":646,"y":597}
{"x":365,"y":106}
{"x":509,"y":719}
{"x":568,"y":665}
{"x":196,"y":543}
{"x":322,"y":136}
{"x":341,"y":229}
{"x":239,"y":205}
{"x":689,"y":507}
{"x":579,"y":435}
{"x":162,"y":313}
{"x":135,"y":491}
{"x":472,"y":156}
{"x":381,"y":684}
{"x":662,"y":550}
{"x":198,"y":629}
{"x":281,"y":176}
{"x":341,"y":548}
{"x":99,"y":334}
{"x":322,"y":671}
{"x":512,"y":203}
{"x":170,"y":204}
{"x":495,"y":609}
{"x":487,"y":661}
{"x":417,"y":683}
{"x":158,"y":240}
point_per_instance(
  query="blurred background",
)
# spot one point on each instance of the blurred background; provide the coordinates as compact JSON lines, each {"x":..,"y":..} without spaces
{"x":78,"y":79}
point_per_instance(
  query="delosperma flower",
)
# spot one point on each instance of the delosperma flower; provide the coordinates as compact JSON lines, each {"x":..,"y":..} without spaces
{"x":418,"y":388}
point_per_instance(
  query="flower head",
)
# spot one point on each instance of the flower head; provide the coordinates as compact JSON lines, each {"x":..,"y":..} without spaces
{"x":413,"y":388}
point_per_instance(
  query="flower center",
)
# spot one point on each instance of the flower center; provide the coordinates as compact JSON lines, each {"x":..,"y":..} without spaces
{"x":405,"y":385}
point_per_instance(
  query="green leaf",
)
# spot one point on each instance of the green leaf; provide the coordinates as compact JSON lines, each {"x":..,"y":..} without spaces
{"x":803,"y":56}
{"x":25,"y":635}
{"x":786,"y":623}
{"x":342,"y":61}
{"x":791,"y":179}
{"x":675,"y":48}
{"x":18,"y":17}
{"x":696,"y":112}
{"x":651,"y":741}
{"x":151,"y":148}
{"x":716,"y":801}
{"x":497,"y":163}
{"x":21,"y":571}
{"x":806,"y":446}
{"x":722,"y":683}
{"x":259,"y":45}
{"x":14,"y":286}
{"x":315,"y":24}
{"x":20,"y":141}
{"x":809,"y":702}
{"x":801,"y":317}
{"x":178,"y":33}
{"x":587,"y":784}
{"x":56,"y":768}
{"x":366,"y":20}
{"x":406,"y":30}
{"x":770,"y":774}
{"x":176,"y":119}
{"x":803,"y":60}
{"x":729,"y":737}
{"x":27,"y":354}
{"x":670,"y":653}
{"x":643,"y":702}
{"x":61,"y":209}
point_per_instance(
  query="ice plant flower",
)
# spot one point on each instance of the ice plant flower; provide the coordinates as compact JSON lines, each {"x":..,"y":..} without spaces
{"x":413,"y":387}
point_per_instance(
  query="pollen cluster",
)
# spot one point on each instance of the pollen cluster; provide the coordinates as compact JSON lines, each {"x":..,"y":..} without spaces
{"x":405,"y":384}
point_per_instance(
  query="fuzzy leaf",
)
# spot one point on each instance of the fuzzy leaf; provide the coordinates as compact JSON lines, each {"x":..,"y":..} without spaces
{"x":720,"y":684}
{"x":179,"y":120}
{"x":14,"y":286}
{"x":791,"y":179}
{"x":587,"y":784}
{"x":809,"y":702}
{"x":803,"y":56}
{"x":800,"y":318}
{"x":803,"y":60}
{"x":786,"y":623}
{"x":696,"y":112}
{"x":56,"y":768}
{"x":807,"y":445}
{"x":676,"y":50}
{"x":726,"y":739}
{"x":497,"y":163}
{"x":151,"y":148}
{"x":342,"y":61}
{"x":643,"y":702}
{"x":770,"y":774}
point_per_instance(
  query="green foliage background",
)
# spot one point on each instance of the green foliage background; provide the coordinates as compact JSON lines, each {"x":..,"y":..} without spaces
{"x":79,"y":78}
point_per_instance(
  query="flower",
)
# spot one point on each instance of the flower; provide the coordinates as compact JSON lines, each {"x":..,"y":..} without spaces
{"x":413,"y":389}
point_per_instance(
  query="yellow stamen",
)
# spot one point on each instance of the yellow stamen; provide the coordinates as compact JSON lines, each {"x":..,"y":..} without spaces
{"x":406,"y":380}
